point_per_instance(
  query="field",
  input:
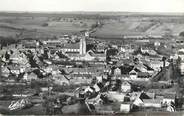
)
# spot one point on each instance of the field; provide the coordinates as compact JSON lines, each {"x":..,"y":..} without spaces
{"x":45,"y":25}
{"x":156,"y":26}
{"x":37,"y":26}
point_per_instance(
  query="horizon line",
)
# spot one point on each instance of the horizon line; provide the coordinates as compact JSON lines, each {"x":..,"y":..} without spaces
{"x":58,"y":12}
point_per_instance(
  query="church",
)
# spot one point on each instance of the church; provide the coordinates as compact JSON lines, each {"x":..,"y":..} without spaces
{"x":78,"y":51}
{"x":77,"y":48}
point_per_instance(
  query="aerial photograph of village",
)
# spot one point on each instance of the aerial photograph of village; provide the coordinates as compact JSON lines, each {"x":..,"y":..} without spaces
{"x":91,"y":63}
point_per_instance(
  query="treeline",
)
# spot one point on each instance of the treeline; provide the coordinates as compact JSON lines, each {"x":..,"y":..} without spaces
{"x":5,"y":41}
{"x":181,"y":34}
{"x":11,"y":27}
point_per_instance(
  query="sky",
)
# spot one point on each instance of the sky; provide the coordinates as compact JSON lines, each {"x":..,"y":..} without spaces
{"x":93,"y":5}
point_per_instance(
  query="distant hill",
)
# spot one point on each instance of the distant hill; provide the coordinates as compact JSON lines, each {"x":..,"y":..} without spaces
{"x":114,"y":24}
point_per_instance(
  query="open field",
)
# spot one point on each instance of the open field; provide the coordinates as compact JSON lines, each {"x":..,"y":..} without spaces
{"x":114,"y":25}
{"x":142,"y":26}
{"x":13,"y":26}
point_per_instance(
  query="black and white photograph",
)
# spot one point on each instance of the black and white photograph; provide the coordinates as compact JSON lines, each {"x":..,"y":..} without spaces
{"x":92,"y":57}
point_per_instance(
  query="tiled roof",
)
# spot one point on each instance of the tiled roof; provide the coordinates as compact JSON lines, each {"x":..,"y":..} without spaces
{"x":72,"y":46}
{"x":83,"y":70}
{"x":14,"y":67}
{"x":75,"y":55}
{"x":170,"y":95}
{"x":181,"y":53}
{"x":154,"y":101}
{"x":82,"y":75}
{"x":143,"y":74}
{"x":126,"y":83}
{"x":99,"y":55}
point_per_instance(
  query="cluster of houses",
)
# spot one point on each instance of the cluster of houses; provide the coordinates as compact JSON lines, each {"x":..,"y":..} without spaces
{"x":72,"y":61}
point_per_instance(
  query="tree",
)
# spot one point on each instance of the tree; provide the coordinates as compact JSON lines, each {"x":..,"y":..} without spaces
{"x":181,"y":34}
{"x":45,"y":25}
{"x":164,"y":59}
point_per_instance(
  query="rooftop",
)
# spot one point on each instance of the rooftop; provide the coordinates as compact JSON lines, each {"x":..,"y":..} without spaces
{"x":72,"y":46}
{"x":170,"y":95}
{"x":157,"y":101}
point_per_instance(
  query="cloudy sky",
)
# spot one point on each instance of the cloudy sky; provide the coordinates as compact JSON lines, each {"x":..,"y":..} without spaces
{"x":93,"y":5}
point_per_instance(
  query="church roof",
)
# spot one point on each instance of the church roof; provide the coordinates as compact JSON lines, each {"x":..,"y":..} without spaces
{"x":99,"y":55}
{"x":72,"y":46}
{"x":74,"y":54}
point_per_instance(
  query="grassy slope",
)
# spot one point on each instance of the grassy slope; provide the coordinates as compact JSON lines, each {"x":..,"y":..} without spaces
{"x":11,"y":24}
{"x":143,"y":26}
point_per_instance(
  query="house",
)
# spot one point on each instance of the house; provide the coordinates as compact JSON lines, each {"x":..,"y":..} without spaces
{"x":148,"y":50}
{"x":141,"y":95}
{"x":124,"y":55}
{"x":74,"y":56}
{"x":80,"y":57}
{"x":126,"y":86}
{"x":116,"y":96}
{"x":63,"y":63}
{"x":96,"y":100}
{"x":156,"y":44}
{"x":14,"y":69}
{"x":98,"y":64}
{"x":174,"y":56}
{"x":99,"y":79}
{"x":168,"y":98}
{"x":133,"y":74}
{"x":141,"y":67}
{"x":151,"y":95}
{"x":61,"y":80}
{"x":126,"y":107}
{"x":142,"y":99}
{"x":97,"y":55}
{"x":53,"y":43}
{"x":4,"y":71}
{"x":30,"y":76}
{"x":81,"y":78}
{"x":156,"y":65}
{"x":143,"y":75}
{"x":181,"y":53}
{"x":87,"y":57}
{"x":46,"y":89}
{"x":29,"y":43}
{"x":18,"y":57}
{"x":101,"y":47}
{"x":130,"y":48}
{"x":136,"y":74}
{"x":88,"y":70}
{"x":181,"y":67}
{"x":59,"y":56}
{"x":152,"y":103}
{"x":125,"y":62}
{"x":138,"y":102}
{"x":122,"y":49}
{"x":89,"y":89}
{"x":96,"y":88}
{"x":114,"y":46}
{"x":117,"y":71}
{"x":14,"y":56}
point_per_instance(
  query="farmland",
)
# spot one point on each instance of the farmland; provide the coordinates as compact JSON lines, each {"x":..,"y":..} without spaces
{"x":12,"y":26}
{"x":45,"y":25}
{"x":142,"y":26}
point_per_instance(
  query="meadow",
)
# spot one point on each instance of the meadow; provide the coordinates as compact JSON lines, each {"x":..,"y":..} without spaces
{"x":114,"y":25}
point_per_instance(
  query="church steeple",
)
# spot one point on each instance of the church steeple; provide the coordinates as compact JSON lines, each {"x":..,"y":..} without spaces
{"x":83,"y":46}
{"x":83,"y":43}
